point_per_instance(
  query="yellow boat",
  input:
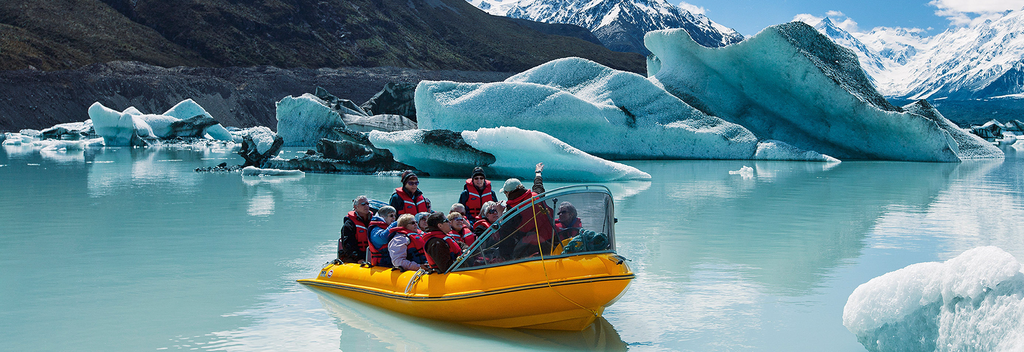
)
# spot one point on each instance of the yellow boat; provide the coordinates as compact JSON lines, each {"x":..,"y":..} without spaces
{"x":502,"y":281}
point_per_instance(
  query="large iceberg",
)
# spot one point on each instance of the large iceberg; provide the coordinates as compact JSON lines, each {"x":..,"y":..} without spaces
{"x":514,"y":152}
{"x":599,"y":110}
{"x":304,"y":120}
{"x":792,"y":84}
{"x":131,"y":126}
{"x":974,"y":302}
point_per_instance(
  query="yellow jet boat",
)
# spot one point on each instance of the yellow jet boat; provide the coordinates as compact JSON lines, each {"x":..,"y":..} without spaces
{"x":525,"y":271}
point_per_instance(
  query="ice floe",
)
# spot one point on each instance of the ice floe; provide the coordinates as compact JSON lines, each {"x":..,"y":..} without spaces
{"x":973,"y":302}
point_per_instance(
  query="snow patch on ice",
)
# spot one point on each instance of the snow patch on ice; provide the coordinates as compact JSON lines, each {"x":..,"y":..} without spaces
{"x":974,"y":301}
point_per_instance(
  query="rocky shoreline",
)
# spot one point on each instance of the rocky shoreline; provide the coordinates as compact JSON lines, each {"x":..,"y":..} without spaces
{"x":235,"y":96}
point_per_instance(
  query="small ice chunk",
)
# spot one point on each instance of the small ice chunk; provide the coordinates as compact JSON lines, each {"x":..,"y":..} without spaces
{"x":746,"y":172}
{"x":255,"y":171}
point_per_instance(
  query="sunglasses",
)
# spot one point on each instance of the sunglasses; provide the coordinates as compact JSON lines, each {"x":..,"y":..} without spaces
{"x":364,"y":203}
{"x":478,"y":178}
{"x":562,"y":212}
{"x":459,"y":219}
{"x":445,"y":220}
{"x":414,"y":183}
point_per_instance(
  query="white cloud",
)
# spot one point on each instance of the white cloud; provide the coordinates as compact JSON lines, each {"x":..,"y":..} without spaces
{"x":694,"y":9}
{"x":959,"y":12}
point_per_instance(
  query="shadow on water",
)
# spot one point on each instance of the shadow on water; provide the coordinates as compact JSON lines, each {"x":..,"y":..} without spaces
{"x":389,"y":330}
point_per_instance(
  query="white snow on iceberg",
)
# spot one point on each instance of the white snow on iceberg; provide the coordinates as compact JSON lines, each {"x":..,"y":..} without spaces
{"x":792,"y":84}
{"x":516,"y":151}
{"x":599,"y":110}
{"x":777,"y":150}
{"x":974,"y":302}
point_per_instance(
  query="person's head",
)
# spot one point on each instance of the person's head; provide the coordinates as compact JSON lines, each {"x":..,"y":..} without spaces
{"x":490,"y":211}
{"x":457,"y":220}
{"x":387,"y":213}
{"x":361,"y":205}
{"x":407,"y":221}
{"x":410,"y":182}
{"x":458,"y":208}
{"x":421,"y":220}
{"x":511,"y":186}
{"x":566,"y":212}
{"x":438,"y":221}
{"x":479,"y":177}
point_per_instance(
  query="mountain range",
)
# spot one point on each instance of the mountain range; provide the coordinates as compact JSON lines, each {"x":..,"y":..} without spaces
{"x":421,"y":34}
{"x":619,"y":24}
{"x":982,"y":61}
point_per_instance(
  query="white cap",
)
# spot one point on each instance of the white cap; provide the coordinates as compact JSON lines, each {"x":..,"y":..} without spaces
{"x":511,"y":185}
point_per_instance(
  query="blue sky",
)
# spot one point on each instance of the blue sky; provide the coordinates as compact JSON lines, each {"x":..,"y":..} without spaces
{"x":750,"y":16}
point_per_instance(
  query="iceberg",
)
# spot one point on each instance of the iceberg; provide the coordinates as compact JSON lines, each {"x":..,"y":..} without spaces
{"x":130,"y":126}
{"x":118,"y":128}
{"x":188,"y":108}
{"x":514,"y":151}
{"x":792,"y":84}
{"x":778,"y":150}
{"x":973,"y":302}
{"x":255,"y":171}
{"x":302,"y":121}
{"x":601,"y":111}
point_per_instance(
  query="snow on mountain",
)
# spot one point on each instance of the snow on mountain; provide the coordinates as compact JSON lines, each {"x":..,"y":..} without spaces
{"x":619,"y":24}
{"x":983,"y":60}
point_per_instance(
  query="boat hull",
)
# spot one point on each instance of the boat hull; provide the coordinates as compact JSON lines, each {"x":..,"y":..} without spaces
{"x":565,"y":293}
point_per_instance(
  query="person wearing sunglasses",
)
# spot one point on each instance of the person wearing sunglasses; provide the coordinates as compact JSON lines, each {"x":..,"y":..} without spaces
{"x":408,"y":199}
{"x":355,"y":232}
{"x":476,"y":192}
{"x":440,"y":248}
{"x":490,"y":212}
{"x":460,"y":229}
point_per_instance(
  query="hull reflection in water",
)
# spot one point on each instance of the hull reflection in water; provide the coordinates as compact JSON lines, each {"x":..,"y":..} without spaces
{"x":406,"y":333}
{"x":562,"y":281}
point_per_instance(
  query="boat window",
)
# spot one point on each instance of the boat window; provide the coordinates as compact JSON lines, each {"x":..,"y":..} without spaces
{"x":571,"y":221}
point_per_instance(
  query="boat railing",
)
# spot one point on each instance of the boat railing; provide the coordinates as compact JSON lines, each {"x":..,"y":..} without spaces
{"x":527,"y":232}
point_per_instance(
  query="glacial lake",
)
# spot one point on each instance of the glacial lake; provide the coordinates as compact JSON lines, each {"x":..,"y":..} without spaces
{"x":123,"y":249}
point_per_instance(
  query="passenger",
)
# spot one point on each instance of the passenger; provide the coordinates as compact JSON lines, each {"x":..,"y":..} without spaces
{"x":354,"y":232}
{"x":567,"y":225}
{"x":460,"y":230}
{"x":421,"y":221}
{"x":476,"y":192}
{"x":441,"y":249}
{"x":380,"y":236}
{"x":519,"y":234}
{"x":491,"y":212}
{"x":458,"y":208}
{"x":405,"y":247}
{"x":408,"y":199}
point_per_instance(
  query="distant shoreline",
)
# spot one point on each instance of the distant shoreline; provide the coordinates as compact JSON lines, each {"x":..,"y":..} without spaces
{"x":235,"y":96}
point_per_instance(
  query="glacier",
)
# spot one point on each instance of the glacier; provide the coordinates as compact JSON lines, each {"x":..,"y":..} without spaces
{"x":601,"y":111}
{"x":792,"y":84}
{"x":514,"y":151}
{"x":973,"y":302}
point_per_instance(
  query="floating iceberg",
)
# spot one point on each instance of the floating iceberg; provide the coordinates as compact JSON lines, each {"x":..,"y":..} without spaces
{"x":255,"y":171}
{"x":118,"y":128}
{"x":792,"y":84}
{"x":304,"y":120}
{"x":599,"y":110}
{"x":974,"y":302}
{"x":514,"y":152}
{"x":130,"y":126}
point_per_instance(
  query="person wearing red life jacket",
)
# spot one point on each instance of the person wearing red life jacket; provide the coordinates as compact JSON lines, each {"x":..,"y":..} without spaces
{"x":408,"y":199}
{"x":355,"y":232}
{"x":441,"y":249}
{"x":405,"y":247}
{"x":475,"y":193}
{"x":380,"y":236}
{"x":460,"y":230}
{"x":518,"y":236}
{"x":490,"y":213}
{"x":567,"y":225}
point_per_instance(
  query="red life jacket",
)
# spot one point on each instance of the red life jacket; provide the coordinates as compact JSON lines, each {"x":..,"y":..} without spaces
{"x":377,"y":255}
{"x":466,"y":236}
{"x":362,"y":231}
{"x":568,"y":231}
{"x":414,"y":251}
{"x":540,"y":217}
{"x":477,"y":200}
{"x":453,"y":248}
{"x":412,"y":206}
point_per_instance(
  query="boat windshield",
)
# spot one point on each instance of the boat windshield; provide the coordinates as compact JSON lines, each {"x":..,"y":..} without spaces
{"x":562,"y":222}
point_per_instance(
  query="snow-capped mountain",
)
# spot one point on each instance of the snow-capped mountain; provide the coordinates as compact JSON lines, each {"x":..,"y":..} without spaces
{"x":985,"y":60}
{"x":619,"y":24}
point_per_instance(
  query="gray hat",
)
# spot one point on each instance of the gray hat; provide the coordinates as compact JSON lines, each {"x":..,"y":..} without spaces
{"x":511,"y":185}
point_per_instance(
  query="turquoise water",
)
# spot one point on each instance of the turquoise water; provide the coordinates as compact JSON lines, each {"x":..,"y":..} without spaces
{"x":129,"y":249}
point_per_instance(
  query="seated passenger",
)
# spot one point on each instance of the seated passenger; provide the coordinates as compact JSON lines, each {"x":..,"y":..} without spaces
{"x":458,"y":208}
{"x":460,"y":230}
{"x":380,"y":236}
{"x":530,"y":231}
{"x":354,"y":236}
{"x":421,"y":221}
{"x":567,"y":225}
{"x":491,"y":212}
{"x":475,"y":193}
{"x":408,"y":199}
{"x":442,"y":250}
{"x":405,"y":247}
